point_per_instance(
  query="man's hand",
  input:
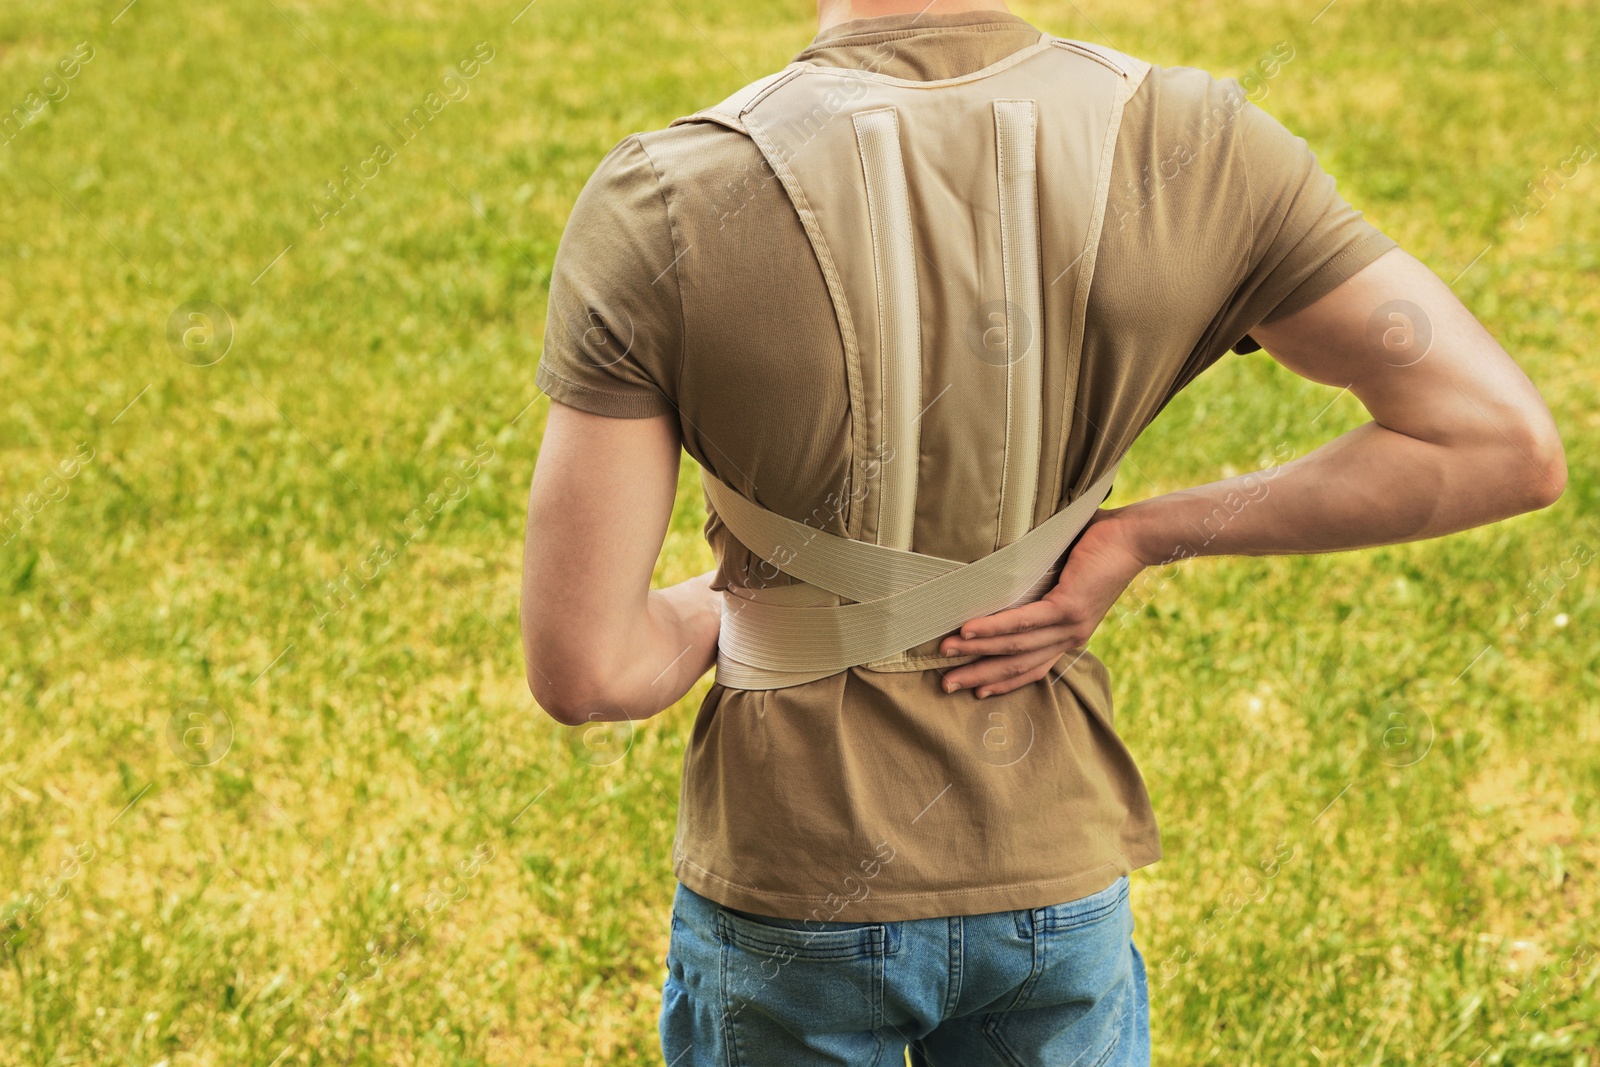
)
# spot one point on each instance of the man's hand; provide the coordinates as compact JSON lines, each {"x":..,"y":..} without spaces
{"x":1021,"y":645}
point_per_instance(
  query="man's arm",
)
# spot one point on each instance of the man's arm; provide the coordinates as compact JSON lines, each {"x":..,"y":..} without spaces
{"x":1459,"y":438}
{"x":601,"y":644}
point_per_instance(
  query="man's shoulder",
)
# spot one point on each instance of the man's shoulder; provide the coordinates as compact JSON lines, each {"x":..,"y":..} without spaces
{"x":1187,"y":113}
{"x":693,"y":151}
{"x":685,"y":138}
{"x":685,"y":155}
{"x":1192,"y":89}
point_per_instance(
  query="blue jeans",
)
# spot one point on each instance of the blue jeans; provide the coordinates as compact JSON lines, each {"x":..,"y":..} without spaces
{"x":1042,"y":987}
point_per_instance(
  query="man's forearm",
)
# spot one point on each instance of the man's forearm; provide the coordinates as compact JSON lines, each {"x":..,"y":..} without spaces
{"x":1371,"y":486}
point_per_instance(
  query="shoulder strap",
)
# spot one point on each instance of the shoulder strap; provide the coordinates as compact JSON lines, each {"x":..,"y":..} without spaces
{"x":1128,"y":66}
{"x":728,"y":112}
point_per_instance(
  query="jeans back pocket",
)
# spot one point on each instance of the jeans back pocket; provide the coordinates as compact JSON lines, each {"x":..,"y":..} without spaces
{"x":805,"y":939}
{"x":791,"y":992}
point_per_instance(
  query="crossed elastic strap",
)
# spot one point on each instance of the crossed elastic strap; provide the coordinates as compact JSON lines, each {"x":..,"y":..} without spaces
{"x":901,"y":598}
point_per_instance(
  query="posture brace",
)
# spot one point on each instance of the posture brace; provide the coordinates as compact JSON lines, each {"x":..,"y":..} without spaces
{"x":921,"y":201}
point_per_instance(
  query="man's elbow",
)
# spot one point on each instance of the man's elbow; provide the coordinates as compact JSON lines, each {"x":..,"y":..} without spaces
{"x":576,"y":696}
{"x":1543,"y":460}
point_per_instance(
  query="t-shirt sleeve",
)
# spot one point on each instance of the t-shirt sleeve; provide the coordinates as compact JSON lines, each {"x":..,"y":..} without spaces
{"x":613,"y":339}
{"x":1305,"y":238}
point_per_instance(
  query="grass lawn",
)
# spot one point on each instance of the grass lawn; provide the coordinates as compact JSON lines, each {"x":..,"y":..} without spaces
{"x":272,"y":788}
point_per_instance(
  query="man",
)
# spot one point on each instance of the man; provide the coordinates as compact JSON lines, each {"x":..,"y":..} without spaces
{"x":907,"y":302}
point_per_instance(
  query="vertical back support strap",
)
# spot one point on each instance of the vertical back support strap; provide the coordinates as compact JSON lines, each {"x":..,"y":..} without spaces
{"x":894,"y":260}
{"x":1015,"y":127}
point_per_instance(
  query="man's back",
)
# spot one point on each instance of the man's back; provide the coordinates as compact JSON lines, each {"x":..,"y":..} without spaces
{"x":692,"y":286}
{"x":868,"y":866}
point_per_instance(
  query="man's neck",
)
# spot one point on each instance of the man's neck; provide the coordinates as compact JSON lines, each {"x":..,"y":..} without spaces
{"x":832,"y":12}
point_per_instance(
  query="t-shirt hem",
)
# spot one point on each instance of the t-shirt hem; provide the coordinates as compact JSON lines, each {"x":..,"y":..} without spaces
{"x":599,"y":401}
{"x":898,"y":907}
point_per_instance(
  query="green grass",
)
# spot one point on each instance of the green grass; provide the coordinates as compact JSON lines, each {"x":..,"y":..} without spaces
{"x":1407,"y":730}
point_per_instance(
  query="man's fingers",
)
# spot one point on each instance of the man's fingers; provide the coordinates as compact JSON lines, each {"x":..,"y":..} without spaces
{"x":1034,"y":616}
{"x":992,"y":671}
{"x":1028,"y":678}
{"x":1012,"y":644}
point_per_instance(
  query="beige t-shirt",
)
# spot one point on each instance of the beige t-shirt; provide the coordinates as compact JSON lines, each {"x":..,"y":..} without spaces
{"x":685,"y":284}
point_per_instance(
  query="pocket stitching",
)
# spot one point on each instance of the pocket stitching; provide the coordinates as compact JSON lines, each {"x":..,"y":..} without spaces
{"x":992,"y":1032}
{"x":1045,"y":922}
{"x":862,"y":942}
{"x":730,"y":941}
